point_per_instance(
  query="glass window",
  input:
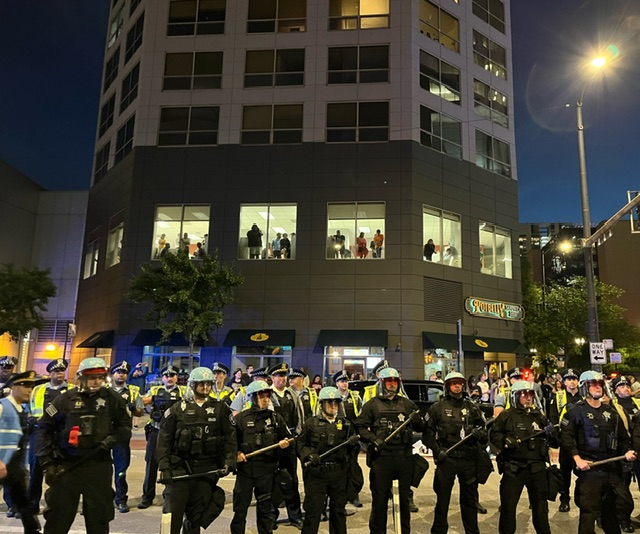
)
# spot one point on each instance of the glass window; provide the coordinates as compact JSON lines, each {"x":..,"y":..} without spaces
{"x":440,"y":132}
{"x":201,"y":17}
{"x":350,"y":122}
{"x":358,"y":14}
{"x":489,"y":55}
{"x":282,"y":16}
{"x":114,"y":245}
{"x":277,"y":124}
{"x":111,"y":70}
{"x":442,"y":236}
{"x":274,"y":67}
{"x":439,"y":78}
{"x":134,"y":38}
{"x":180,"y":227}
{"x":495,"y":250}
{"x":124,"y":139}
{"x":188,"y":126}
{"x":358,"y":64}
{"x":187,"y":71}
{"x":102,"y":162}
{"x":106,"y":115}
{"x":267,"y":231}
{"x":490,"y":103}
{"x":491,"y":11}
{"x":493,"y":154}
{"x":133,"y":6}
{"x":115,"y":26}
{"x":439,"y":25}
{"x":129,"y":88}
{"x":91,"y":257}
{"x":356,"y":230}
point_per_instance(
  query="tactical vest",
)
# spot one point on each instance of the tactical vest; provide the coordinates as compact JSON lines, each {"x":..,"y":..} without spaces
{"x":163,"y":399}
{"x":350,"y":405}
{"x":197,"y":433}
{"x":309,"y":399}
{"x":390,"y":416}
{"x":454,"y":422}
{"x":522,"y":424}
{"x":260,"y":429}
{"x":325,"y":435}
{"x":88,"y":420}
{"x":598,"y":434}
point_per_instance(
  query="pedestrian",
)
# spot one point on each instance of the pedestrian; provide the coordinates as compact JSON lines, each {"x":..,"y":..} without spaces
{"x":74,"y":441}
{"x":389,"y":458}
{"x":521,"y":433}
{"x":13,"y":447}
{"x":450,"y":420}
{"x":197,"y":437}
{"x":122,"y":451}
{"x":257,"y":427}
{"x":325,"y":473}
{"x":592,"y":431}
{"x":160,"y":399}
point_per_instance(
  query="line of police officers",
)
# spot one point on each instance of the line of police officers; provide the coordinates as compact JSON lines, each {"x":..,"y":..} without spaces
{"x":194,"y":439}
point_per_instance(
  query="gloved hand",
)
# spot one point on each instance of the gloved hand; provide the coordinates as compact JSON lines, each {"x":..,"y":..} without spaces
{"x":225,"y":471}
{"x":165,"y":476}
{"x":379,"y":444}
{"x":510,"y":442}
{"x":441,"y":456}
{"x":313,"y":459}
{"x":480,"y":434}
{"x":416,"y":418}
{"x":354,"y":440}
{"x":550,"y":429}
{"x":108,"y":443}
{"x":53,"y":473}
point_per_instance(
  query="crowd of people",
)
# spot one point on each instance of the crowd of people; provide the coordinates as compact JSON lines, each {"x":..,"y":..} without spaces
{"x":268,"y":429}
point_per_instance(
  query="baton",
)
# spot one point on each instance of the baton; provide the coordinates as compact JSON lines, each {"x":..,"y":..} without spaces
{"x":217,"y":472}
{"x":266,"y":449}
{"x":330,"y":452}
{"x":607,"y":461}
{"x":406,"y":422}
{"x":466,"y":438}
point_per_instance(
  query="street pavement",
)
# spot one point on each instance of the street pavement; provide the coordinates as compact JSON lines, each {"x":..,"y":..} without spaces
{"x":148,"y":521}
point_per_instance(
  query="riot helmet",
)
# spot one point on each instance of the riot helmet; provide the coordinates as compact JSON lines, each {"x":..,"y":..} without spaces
{"x":591,"y":378}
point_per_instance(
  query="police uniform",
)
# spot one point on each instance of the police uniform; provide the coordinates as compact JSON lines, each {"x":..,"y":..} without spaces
{"x":449,"y":420}
{"x":195,"y":439}
{"x":7,"y":364}
{"x":371,"y":391}
{"x":394,"y":460}
{"x":596,"y":434}
{"x":161,"y":400}
{"x":226,"y":393}
{"x":75,"y":434}
{"x":351,"y":404}
{"x":326,"y":477}
{"x":522,"y":462}
{"x":256,"y":429}
{"x":307,"y":395}
{"x":122,"y":452}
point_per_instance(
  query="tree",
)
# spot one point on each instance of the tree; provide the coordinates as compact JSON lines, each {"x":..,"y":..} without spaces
{"x":24,"y":295}
{"x":186,"y":296}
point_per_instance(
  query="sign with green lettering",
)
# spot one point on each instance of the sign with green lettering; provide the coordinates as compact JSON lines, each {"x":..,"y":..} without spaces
{"x":494,"y":309}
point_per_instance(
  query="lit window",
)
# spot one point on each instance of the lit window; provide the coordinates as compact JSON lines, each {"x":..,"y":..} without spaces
{"x":489,"y":55}
{"x":188,"y":126}
{"x":356,"y":230}
{"x":91,"y":257}
{"x":124,"y":139}
{"x":114,"y":245}
{"x":439,"y":25}
{"x":134,"y":38}
{"x":442,"y":236}
{"x":440,"y":132}
{"x":495,"y":250}
{"x":129,"y":88}
{"x":490,"y":103}
{"x":278,"y":124}
{"x":115,"y":27}
{"x":358,"y":14}
{"x":439,"y":78}
{"x":106,"y":115}
{"x":267,"y":231}
{"x":180,"y":227}
{"x":350,"y":122}
{"x":282,"y":16}
{"x":358,"y":64}
{"x":188,"y":70}
{"x":196,"y":17}
{"x":266,"y":68}
{"x":491,"y":11}
{"x":493,"y":154}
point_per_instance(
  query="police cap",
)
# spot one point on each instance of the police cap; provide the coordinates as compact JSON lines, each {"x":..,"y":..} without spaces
{"x":279,"y":369}
{"x":217,"y":367}
{"x":340,"y":375}
{"x":57,"y":365}
{"x":170,"y":370}
{"x":293,"y":373}
{"x":122,"y":367}
{"x":28,"y":378}
{"x":8,"y":361}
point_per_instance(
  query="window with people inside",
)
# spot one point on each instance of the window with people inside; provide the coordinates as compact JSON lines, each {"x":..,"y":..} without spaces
{"x":495,"y":250}
{"x":181,"y":227}
{"x":356,"y":230}
{"x":267,"y":231}
{"x":442,"y":236}
{"x":114,"y":245}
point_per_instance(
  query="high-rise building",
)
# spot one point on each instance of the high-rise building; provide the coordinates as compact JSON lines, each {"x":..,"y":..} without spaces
{"x":319,"y":145}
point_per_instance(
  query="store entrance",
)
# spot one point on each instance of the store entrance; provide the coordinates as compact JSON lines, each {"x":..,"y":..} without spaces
{"x":357,"y":361}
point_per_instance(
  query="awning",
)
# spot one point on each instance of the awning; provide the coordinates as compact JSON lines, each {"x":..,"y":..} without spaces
{"x":432,"y":340}
{"x":260,"y":338}
{"x":151,"y":336}
{"x":99,"y":340}
{"x":353,"y":338}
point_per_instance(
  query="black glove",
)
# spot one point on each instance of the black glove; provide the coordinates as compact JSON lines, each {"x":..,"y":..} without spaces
{"x":354,"y":440}
{"x":510,"y":442}
{"x":416,"y":418}
{"x":379,"y":444}
{"x":550,"y":429}
{"x":166,"y":476}
{"x":108,"y":443}
{"x":53,"y":473}
{"x":225,"y":470}
{"x":313,"y":459}
{"x":480,"y":434}
{"x":441,"y":456}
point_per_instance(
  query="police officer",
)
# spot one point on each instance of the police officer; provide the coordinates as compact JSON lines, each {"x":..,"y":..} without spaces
{"x":450,"y":420}
{"x":326,"y":477}
{"x":197,"y":436}
{"x":160,"y":398}
{"x":13,"y":445}
{"x":503,"y":399}
{"x":372,"y":391}
{"x":561,"y":401}
{"x":391,"y":459}
{"x":7,"y":365}
{"x":256,"y":428}
{"x":307,"y":395}
{"x":521,"y":434}
{"x":74,"y":439}
{"x":122,"y":452}
{"x":220,"y":390}
{"x":241,"y":400}
{"x":592,"y":431}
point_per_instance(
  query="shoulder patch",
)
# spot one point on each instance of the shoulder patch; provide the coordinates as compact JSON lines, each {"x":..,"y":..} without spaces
{"x":232,"y":420}
{"x":51,"y":410}
{"x":167,"y":413}
{"x":427,"y":417}
{"x":564,"y":422}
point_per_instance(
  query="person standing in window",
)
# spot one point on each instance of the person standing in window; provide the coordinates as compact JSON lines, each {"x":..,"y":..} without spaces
{"x":361,"y":245}
{"x":429,"y":250}
{"x":285,"y":246}
{"x":275,"y":246}
{"x":185,"y":242}
{"x":338,"y":240}
{"x":162,"y":242}
{"x":254,"y":238}
{"x":378,"y":239}
{"x":199,"y":252}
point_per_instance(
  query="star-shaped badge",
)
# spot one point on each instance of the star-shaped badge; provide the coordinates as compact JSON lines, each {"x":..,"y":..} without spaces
{"x":209,"y":410}
{"x":101,"y":403}
{"x":606,"y":416}
{"x":401,"y":417}
{"x":125,"y":396}
{"x":464,"y":411}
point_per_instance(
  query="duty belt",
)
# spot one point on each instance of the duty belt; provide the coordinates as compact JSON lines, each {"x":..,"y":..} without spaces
{"x":331,"y":466}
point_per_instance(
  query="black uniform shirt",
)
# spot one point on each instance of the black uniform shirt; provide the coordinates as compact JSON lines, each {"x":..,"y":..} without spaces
{"x":520,"y":424}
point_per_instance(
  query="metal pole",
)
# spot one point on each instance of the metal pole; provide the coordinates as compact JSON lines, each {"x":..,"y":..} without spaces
{"x":592,"y":309}
{"x":544,"y":279}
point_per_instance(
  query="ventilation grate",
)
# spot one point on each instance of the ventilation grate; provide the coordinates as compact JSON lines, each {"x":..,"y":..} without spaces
{"x":442,"y":300}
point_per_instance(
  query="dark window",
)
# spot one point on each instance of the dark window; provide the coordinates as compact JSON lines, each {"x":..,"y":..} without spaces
{"x":196,"y":17}
{"x":440,"y":132}
{"x":102,"y":162}
{"x":129,"y":88}
{"x":439,"y":78}
{"x":111,"y":70}
{"x":490,"y":103}
{"x":133,"y":6}
{"x":353,"y":64}
{"x":349,"y":122}
{"x":124,"y":139}
{"x":282,"y":16}
{"x":187,"y":70}
{"x":134,"y":38}
{"x":493,"y":154}
{"x":106,"y":115}
{"x":278,"y":124}
{"x":188,"y":126}
{"x":274,"y":67}
{"x":491,"y":11}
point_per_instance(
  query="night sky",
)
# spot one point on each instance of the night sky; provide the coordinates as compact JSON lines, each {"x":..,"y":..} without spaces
{"x":51,"y":59}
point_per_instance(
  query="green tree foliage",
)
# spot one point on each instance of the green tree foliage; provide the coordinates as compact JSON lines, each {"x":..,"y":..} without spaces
{"x":24,"y":295}
{"x":185,"y":296}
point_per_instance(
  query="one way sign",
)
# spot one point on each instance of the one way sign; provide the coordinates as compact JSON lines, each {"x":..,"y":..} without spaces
{"x":598,"y":353}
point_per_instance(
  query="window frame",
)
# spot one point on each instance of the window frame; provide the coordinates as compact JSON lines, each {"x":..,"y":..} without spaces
{"x":107,"y":114}
{"x":457,"y":151}
{"x":129,"y":89}
{"x":444,"y":38}
{"x":268,"y":229}
{"x":189,"y":133}
{"x":485,"y":60}
{"x":358,"y":72}
{"x":426,"y":76}
{"x":203,"y":22}
{"x":277,"y":24}
{"x":134,"y":38}
{"x":111,"y":70}
{"x":495,"y":230}
{"x":114,"y":243}
{"x":125,"y":145}
{"x":194,"y":79}
{"x":276,"y":136}
{"x":333,"y":251}
{"x":91,"y":259}
{"x":101,"y":165}
{"x":487,"y":14}
{"x":358,"y":128}
{"x":356,"y":21}
{"x":182,"y":221}
{"x":274,"y":76}
{"x":455,"y":260}
{"x":115,"y":27}
{"x":496,"y":146}
{"x":483,"y":102}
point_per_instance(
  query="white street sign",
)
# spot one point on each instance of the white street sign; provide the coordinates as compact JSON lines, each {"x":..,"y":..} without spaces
{"x":597,"y":353}
{"x":615,"y":357}
{"x":608,"y":344}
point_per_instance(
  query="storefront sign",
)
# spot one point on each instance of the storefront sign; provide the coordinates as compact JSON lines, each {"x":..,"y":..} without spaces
{"x":494,"y":309}
{"x":259,"y":337}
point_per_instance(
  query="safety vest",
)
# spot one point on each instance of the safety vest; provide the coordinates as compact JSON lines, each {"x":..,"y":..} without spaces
{"x":372,"y":391}
{"x":36,"y":402}
{"x":621,"y":411}
{"x":562,"y":403}
{"x":129,"y":393}
{"x":226,"y":391}
{"x":506,"y":393}
{"x":355,"y":400}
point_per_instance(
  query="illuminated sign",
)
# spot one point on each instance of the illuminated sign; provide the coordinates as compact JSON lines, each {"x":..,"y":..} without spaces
{"x":494,"y":309}
{"x":260,"y":336}
{"x":481,"y":343}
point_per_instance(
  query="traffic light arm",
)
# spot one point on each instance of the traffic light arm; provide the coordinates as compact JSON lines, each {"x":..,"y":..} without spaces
{"x":605,"y":230}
